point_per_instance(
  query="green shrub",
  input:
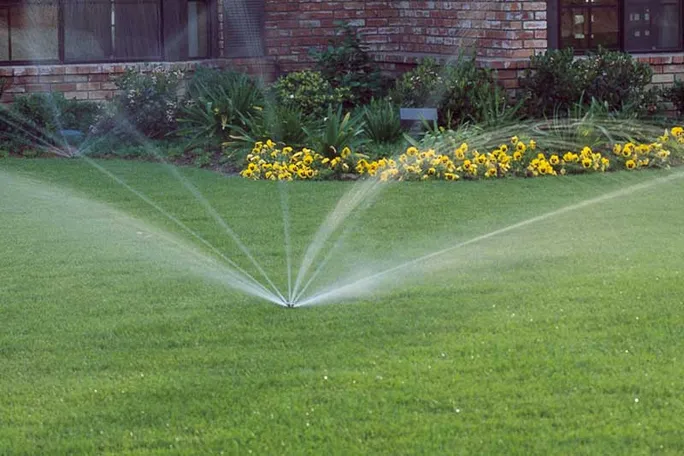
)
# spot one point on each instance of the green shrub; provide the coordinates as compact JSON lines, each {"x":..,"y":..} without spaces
{"x":345,"y":62}
{"x":147,"y":103}
{"x":309,"y":92}
{"x":36,"y":120}
{"x":218,"y":102}
{"x":461,"y":91}
{"x":337,"y":131}
{"x":675,"y":95}
{"x":382,"y":122}
{"x":557,"y":81}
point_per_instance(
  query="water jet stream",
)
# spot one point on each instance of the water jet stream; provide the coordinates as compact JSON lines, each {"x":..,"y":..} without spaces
{"x":343,"y":290}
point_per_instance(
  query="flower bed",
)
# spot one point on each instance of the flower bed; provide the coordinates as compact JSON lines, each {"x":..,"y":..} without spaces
{"x":520,"y":158}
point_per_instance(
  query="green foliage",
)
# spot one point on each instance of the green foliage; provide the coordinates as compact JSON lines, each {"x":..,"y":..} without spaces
{"x":147,"y":103}
{"x":675,"y":95}
{"x":337,"y":131}
{"x":345,"y":62}
{"x":219,"y":101}
{"x":309,"y":92}
{"x":557,"y":81}
{"x":461,"y":91}
{"x":281,"y":124}
{"x":382,"y":122}
{"x":35,"y":120}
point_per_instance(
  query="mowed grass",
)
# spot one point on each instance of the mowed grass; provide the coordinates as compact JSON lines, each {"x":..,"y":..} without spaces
{"x":561,"y":337}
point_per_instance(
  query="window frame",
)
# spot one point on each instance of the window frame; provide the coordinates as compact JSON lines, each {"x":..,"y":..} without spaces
{"x":162,"y":31}
{"x":557,"y":8}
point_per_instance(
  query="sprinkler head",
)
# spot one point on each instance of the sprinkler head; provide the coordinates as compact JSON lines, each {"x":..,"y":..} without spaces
{"x":289,"y":304}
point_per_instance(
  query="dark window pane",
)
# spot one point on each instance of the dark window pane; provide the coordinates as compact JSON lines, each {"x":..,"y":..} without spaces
{"x":198,"y":30}
{"x":33,"y":31}
{"x":575,"y":28}
{"x":243,"y":23}
{"x":652,"y":25}
{"x":137,"y":28}
{"x":604,"y":28}
{"x":4,"y":34}
{"x":87,"y":30}
{"x":585,"y":3}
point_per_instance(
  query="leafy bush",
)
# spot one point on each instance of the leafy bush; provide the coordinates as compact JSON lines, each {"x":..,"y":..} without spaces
{"x":462,"y":92}
{"x":346,"y":63}
{"x":309,"y":92}
{"x":282,"y":124}
{"x":337,"y":132}
{"x":147,"y":102}
{"x":382,"y":122}
{"x":218,"y":103}
{"x":675,"y":95}
{"x":557,"y":81}
{"x":38,"y":119}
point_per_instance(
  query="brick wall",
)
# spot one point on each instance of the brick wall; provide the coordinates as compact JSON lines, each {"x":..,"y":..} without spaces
{"x":399,"y":33}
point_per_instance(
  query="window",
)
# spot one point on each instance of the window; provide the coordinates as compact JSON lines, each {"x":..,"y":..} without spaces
{"x":630,"y":25}
{"x":29,"y":31}
{"x":198,"y":29}
{"x":70,"y":31}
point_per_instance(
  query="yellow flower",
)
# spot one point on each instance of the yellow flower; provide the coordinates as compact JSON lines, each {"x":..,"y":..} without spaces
{"x":450,"y":176}
{"x":586,"y":162}
{"x":517,"y":155}
{"x":481,"y":159}
{"x":570,"y":157}
{"x":308,"y":159}
{"x":677,"y":131}
{"x":520,"y":147}
{"x":533,"y":144}
{"x":644,"y":162}
{"x":247,"y":173}
{"x":431,"y":171}
{"x":630,"y":164}
{"x":287,"y":150}
{"x":663,"y":154}
{"x":346,"y":152}
{"x":491,"y":172}
{"x":554,"y":159}
{"x":514,"y":140}
{"x":411,"y":151}
{"x":504,"y":148}
{"x":459,"y":154}
{"x":617,"y":149}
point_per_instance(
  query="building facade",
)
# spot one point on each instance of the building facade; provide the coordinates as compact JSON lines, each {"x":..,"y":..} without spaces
{"x":78,"y":46}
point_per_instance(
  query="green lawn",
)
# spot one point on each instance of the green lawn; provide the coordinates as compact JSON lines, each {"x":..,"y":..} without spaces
{"x":564,"y":336}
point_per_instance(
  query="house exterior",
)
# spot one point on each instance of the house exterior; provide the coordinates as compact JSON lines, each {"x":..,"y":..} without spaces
{"x":78,"y":46}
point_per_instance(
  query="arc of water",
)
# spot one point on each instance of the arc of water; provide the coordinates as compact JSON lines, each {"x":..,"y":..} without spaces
{"x":339,"y":214}
{"x":238,"y":272}
{"x":322,"y":296}
{"x":207,"y":207}
{"x":237,"y":281}
{"x":366,"y":202}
